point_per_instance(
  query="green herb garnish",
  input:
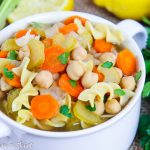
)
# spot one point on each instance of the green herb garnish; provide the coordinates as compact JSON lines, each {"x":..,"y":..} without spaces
{"x":143,"y":131}
{"x":12,"y":55}
{"x":146,"y":90}
{"x":107,"y":64}
{"x":73,"y":83}
{"x":119,"y":92}
{"x":63,"y":58}
{"x":148,"y":42}
{"x":91,"y":108}
{"x":146,"y":20}
{"x":65,"y":111}
{"x":137,"y":76}
{"x":147,"y":65}
{"x":8,"y":74}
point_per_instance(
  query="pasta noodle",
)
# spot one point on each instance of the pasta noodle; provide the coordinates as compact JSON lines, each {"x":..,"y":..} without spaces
{"x":101,"y":31}
{"x":27,"y":90}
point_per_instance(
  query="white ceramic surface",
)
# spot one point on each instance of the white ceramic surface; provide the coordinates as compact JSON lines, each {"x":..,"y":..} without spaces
{"x":115,"y":134}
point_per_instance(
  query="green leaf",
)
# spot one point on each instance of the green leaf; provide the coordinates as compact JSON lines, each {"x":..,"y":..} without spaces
{"x":147,"y":65}
{"x":147,"y":29}
{"x":73,"y":83}
{"x":12,"y":55}
{"x":144,"y":125}
{"x":91,"y":108}
{"x":64,"y":109}
{"x":146,"y":53}
{"x":146,"y":90}
{"x":146,"y":20}
{"x":137,"y":76}
{"x":8,"y":74}
{"x":63,"y":58}
{"x":147,"y":145}
{"x":107,"y":64}
{"x":143,"y":141}
{"x":1,"y":1}
{"x":119,"y":92}
{"x":148,"y":42}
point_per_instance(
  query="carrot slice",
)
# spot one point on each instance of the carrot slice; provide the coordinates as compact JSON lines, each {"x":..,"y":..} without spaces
{"x":100,"y":75}
{"x":101,"y":46}
{"x":3,"y":54}
{"x":67,"y":87}
{"x":47,"y":42}
{"x":126,"y":61}
{"x":52,"y":63}
{"x":72,"y":18}
{"x":15,"y":82}
{"x":68,"y":28}
{"x":23,"y":32}
{"x":44,"y":107}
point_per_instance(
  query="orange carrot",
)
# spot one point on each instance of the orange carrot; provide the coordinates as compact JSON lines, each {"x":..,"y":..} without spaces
{"x":72,"y":18}
{"x":101,"y":46}
{"x":47,"y":42}
{"x":126,"y":61}
{"x":68,"y":28}
{"x":3,"y":54}
{"x":52,"y":63}
{"x":15,"y":81}
{"x":100,"y":75}
{"x":44,"y":107}
{"x":23,"y":32}
{"x":67,"y":87}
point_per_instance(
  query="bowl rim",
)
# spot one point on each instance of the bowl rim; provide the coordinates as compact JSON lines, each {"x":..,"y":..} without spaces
{"x":99,"y":127}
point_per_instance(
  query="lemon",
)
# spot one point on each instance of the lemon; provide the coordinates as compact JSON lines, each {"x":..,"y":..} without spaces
{"x":31,"y":7}
{"x":134,"y":9}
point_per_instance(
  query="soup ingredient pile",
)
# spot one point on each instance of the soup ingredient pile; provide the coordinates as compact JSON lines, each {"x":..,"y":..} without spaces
{"x":66,"y":76}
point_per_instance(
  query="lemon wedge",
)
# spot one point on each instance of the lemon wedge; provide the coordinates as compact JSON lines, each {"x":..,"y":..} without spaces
{"x":31,"y":7}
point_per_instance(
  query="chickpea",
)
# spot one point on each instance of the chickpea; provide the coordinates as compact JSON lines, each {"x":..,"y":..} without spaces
{"x":44,"y":79}
{"x":99,"y":108}
{"x":108,"y":57}
{"x":89,"y":79}
{"x":79,"y":53}
{"x":96,"y":61}
{"x":2,"y":95}
{"x":55,"y":76}
{"x":75,"y":70}
{"x":112,"y":106}
{"x":119,"y":71}
{"x":89,"y":57}
{"x":4,"y":86}
{"x":23,"y":52}
{"x":128,"y":82}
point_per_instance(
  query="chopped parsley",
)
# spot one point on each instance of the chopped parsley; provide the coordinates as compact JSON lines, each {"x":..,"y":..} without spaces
{"x":73,"y":83}
{"x":107,"y":64}
{"x":63,"y":58}
{"x":91,"y":108}
{"x":119,"y":92}
{"x":8,"y":74}
{"x":138,"y":75}
{"x":12,"y":55}
{"x":146,"y":90}
{"x":64,"y":109}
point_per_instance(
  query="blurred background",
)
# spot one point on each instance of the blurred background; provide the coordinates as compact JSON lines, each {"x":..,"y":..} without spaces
{"x":113,"y":10}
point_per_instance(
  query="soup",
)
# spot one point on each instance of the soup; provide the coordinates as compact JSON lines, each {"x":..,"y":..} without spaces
{"x":67,"y":76}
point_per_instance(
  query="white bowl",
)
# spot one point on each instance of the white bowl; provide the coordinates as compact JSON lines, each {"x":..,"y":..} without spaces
{"x":116,"y":133}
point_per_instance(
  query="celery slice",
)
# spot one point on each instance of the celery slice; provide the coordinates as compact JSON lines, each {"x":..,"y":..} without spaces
{"x":6,"y":7}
